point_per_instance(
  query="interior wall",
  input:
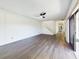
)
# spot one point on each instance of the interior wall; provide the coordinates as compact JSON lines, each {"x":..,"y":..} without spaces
{"x":67,"y":30}
{"x":14,"y":27}
{"x":49,"y":27}
{"x":72,"y":6}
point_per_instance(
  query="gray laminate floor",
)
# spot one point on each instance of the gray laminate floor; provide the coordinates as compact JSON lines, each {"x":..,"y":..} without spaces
{"x":38,"y":47}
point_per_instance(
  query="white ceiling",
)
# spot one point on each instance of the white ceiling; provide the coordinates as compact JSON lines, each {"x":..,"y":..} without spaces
{"x":55,"y":9}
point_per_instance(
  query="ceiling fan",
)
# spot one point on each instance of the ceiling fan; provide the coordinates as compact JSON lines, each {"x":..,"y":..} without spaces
{"x":43,"y":14}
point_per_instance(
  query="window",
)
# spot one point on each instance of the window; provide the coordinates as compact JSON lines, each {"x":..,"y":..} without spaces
{"x":77,"y":26}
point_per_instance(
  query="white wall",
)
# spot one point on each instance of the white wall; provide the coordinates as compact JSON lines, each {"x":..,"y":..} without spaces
{"x":72,"y":6}
{"x":49,"y":27}
{"x":67,"y":30}
{"x":14,"y":27}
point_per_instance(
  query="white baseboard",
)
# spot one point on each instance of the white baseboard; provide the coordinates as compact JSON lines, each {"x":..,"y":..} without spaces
{"x":9,"y":42}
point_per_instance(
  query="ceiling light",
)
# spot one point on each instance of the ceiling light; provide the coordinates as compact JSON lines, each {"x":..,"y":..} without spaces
{"x":43,"y":14}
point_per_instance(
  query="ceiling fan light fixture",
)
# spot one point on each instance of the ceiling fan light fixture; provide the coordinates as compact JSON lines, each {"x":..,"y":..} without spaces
{"x":43,"y":14}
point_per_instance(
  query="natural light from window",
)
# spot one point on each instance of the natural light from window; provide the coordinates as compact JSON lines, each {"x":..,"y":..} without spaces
{"x":77,"y":26}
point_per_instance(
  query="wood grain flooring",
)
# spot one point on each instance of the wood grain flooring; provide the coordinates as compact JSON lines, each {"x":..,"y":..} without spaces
{"x":38,"y":47}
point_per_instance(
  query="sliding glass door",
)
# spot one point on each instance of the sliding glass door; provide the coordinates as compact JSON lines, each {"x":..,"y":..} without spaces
{"x":72,"y":31}
{"x":77,"y":26}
